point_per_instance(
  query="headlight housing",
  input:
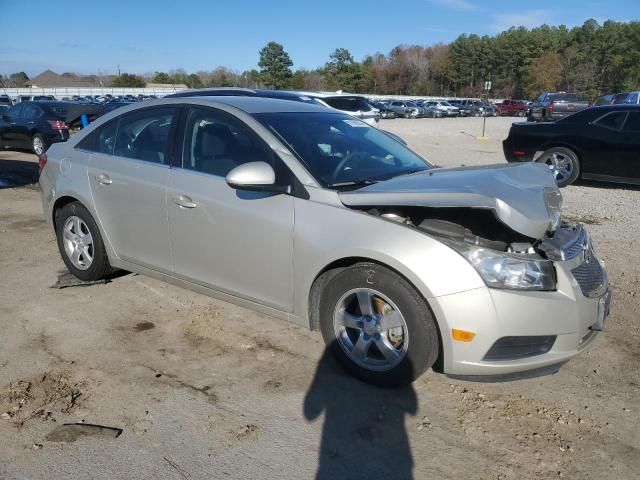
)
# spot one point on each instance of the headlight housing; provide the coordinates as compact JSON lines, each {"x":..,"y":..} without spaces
{"x":553,"y":201}
{"x":511,"y":271}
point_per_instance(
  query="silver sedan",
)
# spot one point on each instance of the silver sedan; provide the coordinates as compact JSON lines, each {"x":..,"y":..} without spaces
{"x":313,"y":216}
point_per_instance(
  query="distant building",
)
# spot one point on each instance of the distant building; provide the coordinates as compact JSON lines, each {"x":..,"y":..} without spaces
{"x":50,"y":79}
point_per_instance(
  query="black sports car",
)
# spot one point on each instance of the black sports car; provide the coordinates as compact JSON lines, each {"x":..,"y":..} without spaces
{"x":599,"y":143}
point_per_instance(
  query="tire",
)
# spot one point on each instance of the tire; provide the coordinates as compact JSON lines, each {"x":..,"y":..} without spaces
{"x":91,"y":262}
{"x":406,"y":350}
{"x":564,"y":164}
{"x":38,"y":145}
{"x":521,"y":113}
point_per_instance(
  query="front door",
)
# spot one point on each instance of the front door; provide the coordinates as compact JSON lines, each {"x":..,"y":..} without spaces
{"x":630,"y":161}
{"x":129,"y":185}
{"x":234,"y":241}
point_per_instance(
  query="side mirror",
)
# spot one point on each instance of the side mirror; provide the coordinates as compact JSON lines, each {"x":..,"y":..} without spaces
{"x":255,"y":176}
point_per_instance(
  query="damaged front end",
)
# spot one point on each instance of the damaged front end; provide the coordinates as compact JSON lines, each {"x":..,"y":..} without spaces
{"x":501,"y":220}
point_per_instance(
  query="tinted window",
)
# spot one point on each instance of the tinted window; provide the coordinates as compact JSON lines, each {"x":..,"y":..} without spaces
{"x":31,"y":111}
{"x":633,"y":122}
{"x":563,"y":97}
{"x":143,"y":135}
{"x":216,"y":143}
{"x":15,"y":111}
{"x":612,"y":120}
{"x":101,"y":140}
{"x":633,"y":98}
{"x":60,"y":110}
{"x":620,"y":98}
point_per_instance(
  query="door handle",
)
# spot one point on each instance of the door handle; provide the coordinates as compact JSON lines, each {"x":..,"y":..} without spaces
{"x":184,"y":202}
{"x":103,"y":179}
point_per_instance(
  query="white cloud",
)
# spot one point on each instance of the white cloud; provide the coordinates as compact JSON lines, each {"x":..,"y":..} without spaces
{"x":528,"y":18}
{"x":461,"y":5}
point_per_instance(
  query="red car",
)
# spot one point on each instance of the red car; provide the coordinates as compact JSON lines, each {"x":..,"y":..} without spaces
{"x":514,"y":108}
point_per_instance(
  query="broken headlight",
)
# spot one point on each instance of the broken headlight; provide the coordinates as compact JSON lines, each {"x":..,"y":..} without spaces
{"x":553,"y":202}
{"x":511,"y":271}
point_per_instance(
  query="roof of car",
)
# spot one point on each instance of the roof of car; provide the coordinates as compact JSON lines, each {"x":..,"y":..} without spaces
{"x":263,"y":104}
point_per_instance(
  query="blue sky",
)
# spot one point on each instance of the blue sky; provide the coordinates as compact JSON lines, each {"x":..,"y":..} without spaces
{"x":144,"y":36}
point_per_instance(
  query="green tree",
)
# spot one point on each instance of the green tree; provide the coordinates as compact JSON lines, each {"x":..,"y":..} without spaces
{"x":128,"y":80}
{"x":161,"y":77}
{"x":275,"y":65}
{"x":18,"y":79}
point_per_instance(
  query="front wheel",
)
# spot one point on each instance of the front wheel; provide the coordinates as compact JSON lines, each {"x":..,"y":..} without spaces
{"x":80,"y":243}
{"x":377,"y":325}
{"x":563,"y":163}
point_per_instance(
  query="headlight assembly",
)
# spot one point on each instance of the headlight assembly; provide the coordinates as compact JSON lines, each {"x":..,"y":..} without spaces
{"x":553,"y":201}
{"x":510,"y":271}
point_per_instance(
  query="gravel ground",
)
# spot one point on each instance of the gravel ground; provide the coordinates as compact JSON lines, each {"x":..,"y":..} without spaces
{"x":204,"y":389}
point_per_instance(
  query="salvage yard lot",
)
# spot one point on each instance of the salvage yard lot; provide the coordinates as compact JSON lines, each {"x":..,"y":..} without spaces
{"x":204,"y":389}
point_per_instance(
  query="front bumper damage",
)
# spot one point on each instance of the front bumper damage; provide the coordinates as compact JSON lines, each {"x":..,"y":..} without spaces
{"x":562,"y":322}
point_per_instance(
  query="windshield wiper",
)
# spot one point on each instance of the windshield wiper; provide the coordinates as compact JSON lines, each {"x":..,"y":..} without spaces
{"x":359,"y":182}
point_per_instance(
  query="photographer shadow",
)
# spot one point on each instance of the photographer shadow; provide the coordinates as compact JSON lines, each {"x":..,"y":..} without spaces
{"x":364,"y":434}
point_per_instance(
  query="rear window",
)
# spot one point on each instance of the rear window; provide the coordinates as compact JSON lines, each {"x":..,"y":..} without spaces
{"x":59,"y":110}
{"x":620,"y":98}
{"x":348,"y":104}
{"x":613,"y":120}
{"x":563,"y":97}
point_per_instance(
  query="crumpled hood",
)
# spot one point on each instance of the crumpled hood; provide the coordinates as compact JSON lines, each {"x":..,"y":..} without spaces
{"x":515,"y":192}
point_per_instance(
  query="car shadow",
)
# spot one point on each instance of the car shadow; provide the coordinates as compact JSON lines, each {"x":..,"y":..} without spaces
{"x":364,"y":434}
{"x":607,"y":185}
{"x":17,"y":173}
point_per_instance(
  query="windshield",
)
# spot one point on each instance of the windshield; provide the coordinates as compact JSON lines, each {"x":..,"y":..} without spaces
{"x":341,"y":151}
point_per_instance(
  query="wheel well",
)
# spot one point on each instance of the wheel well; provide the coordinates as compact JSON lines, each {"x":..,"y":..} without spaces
{"x":60,"y":203}
{"x":331,"y":270}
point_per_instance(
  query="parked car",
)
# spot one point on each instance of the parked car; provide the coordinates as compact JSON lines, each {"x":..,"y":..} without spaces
{"x":431,"y":110}
{"x":385,"y":111}
{"x":513,"y":108}
{"x":446,"y":108}
{"x":5,"y":100}
{"x":600,"y":143}
{"x":376,"y":259}
{"x":34,"y":125}
{"x":354,"y":105}
{"x":553,"y":106}
{"x":464,"y":108}
{"x":629,"y":98}
{"x":605,"y":100}
{"x":404,"y":109}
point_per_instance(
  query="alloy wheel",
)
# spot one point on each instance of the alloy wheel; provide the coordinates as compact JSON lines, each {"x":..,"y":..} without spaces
{"x":78,"y":242}
{"x":370,"y":329}
{"x":560,"y":164}
{"x":38,"y":145}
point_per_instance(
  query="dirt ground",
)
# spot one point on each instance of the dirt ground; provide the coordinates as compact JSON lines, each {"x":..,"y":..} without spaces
{"x":194,"y":388}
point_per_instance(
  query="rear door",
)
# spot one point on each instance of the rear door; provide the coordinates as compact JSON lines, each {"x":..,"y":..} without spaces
{"x":129,"y":179}
{"x":237,"y":242}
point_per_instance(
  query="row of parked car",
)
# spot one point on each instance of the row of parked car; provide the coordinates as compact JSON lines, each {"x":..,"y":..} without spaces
{"x":434,"y":108}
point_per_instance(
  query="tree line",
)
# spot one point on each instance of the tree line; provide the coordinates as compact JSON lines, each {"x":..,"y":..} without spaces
{"x":591,"y":60}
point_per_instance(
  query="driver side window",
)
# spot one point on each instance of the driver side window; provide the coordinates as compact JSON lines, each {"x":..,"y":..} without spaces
{"x":216,"y":143}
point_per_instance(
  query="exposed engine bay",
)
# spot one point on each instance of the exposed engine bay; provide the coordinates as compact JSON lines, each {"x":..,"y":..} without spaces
{"x":478,"y":227}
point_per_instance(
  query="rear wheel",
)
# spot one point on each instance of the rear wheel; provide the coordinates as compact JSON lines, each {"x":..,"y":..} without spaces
{"x":38,"y":144}
{"x":377,"y":325}
{"x":563,"y":163}
{"x":80,"y":243}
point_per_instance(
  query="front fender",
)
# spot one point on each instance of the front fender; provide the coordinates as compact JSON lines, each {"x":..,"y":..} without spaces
{"x":325,"y":234}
